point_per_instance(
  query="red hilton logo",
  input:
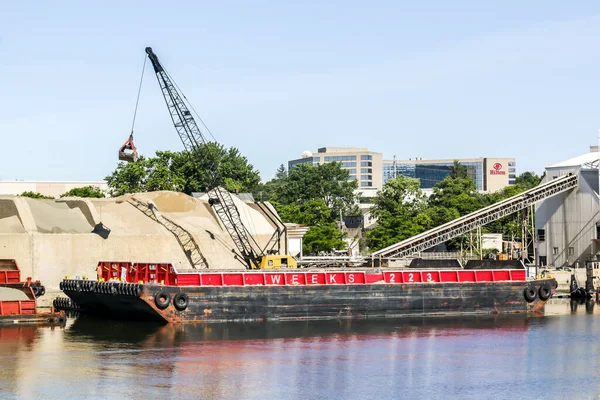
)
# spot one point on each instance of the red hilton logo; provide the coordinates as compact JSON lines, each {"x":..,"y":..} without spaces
{"x":497,"y":170}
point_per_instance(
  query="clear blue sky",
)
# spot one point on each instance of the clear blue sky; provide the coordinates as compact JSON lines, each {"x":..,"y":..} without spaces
{"x":431,"y":79}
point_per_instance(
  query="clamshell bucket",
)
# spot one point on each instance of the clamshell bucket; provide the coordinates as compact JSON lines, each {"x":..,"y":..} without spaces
{"x":128,"y":152}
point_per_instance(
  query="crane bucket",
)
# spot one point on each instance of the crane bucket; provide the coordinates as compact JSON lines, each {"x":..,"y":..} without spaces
{"x":128,"y":152}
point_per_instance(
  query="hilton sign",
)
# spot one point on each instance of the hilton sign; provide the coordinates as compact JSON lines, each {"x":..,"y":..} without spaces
{"x":497,"y":170}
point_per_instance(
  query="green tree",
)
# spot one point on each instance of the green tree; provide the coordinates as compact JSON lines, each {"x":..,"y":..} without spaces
{"x":457,"y":191}
{"x":266,"y":191}
{"x":510,"y":225}
{"x":185,"y":172}
{"x":35,"y":195}
{"x":527,"y":180}
{"x":401,"y":211}
{"x":310,"y":213}
{"x":85,"y":191}
{"x":314,"y":196}
{"x":325,"y":238}
{"x":328,"y":182}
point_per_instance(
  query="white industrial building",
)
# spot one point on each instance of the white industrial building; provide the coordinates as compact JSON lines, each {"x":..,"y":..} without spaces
{"x":567,"y":225}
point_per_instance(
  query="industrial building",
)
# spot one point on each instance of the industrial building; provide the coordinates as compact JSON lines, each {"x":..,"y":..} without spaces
{"x":568,"y":224}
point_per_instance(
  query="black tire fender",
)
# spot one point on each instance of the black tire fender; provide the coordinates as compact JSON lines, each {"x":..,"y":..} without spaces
{"x":545,"y":291}
{"x":181,"y":301}
{"x":530,"y":294}
{"x":138,"y":291}
{"x":162,"y":299}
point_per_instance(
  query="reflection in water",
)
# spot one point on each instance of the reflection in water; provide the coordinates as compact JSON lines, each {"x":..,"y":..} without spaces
{"x":445,"y":357}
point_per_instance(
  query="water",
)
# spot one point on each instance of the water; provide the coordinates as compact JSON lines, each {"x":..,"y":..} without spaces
{"x":552,"y":357}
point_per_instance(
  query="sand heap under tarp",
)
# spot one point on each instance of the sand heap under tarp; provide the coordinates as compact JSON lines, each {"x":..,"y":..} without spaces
{"x":51,"y":239}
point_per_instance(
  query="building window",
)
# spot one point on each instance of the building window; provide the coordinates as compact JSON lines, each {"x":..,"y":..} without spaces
{"x":511,"y":170}
{"x":571,"y":251}
{"x":366,"y":157}
{"x":366,"y":170}
{"x":511,"y":176}
{"x":366,"y":164}
{"x":366,"y":184}
{"x":352,"y":171}
{"x":349,"y":165}
{"x":352,"y":178}
{"x":512,"y":163}
{"x":541,"y":234}
{"x":366,"y":177}
{"x":340,"y":158}
{"x":554,"y":251}
{"x":512,"y":181}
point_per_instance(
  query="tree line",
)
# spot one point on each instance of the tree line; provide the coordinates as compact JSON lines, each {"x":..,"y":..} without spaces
{"x":317,"y":196}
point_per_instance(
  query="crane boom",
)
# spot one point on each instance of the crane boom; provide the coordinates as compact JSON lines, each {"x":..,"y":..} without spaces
{"x":191,"y":137}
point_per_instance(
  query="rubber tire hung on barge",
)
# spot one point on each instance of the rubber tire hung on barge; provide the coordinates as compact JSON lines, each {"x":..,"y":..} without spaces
{"x":530,"y":294}
{"x":181,"y":301}
{"x":162,"y":299}
{"x":545,"y":291}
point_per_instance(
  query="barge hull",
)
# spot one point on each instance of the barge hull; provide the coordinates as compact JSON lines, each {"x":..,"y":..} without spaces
{"x":263,"y":303}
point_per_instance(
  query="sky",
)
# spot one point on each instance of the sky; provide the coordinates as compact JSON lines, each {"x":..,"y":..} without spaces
{"x":430,"y":79}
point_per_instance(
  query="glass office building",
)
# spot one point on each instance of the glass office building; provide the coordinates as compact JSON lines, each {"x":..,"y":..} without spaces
{"x":489,"y":174}
{"x":371,"y":171}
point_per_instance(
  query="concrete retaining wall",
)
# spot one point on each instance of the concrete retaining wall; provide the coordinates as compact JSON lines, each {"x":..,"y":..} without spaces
{"x":51,"y":239}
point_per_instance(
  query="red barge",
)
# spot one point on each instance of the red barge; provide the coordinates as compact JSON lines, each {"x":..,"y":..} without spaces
{"x":158,"y":292}
{"x":18,"y":299}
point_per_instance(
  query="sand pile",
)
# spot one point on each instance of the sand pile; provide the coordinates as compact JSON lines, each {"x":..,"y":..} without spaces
{"x":11,"y":224}
{"x":56,"y":217}
{"x":174,"y":202}
{"x":7,"y":294}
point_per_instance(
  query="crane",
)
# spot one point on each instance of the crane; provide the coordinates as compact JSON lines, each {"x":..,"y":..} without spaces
{"x":220,"y":199}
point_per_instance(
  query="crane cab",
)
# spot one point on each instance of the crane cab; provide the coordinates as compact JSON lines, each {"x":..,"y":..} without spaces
{"x":277,"y":261}
{"x":128,"y":152}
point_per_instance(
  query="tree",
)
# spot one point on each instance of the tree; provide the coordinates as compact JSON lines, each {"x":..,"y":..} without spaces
{"x":511,"y":225}
{"x":85,"y":191}
{"x":527,"y":180}
{"x":328,"y":182}
{"x":310,"y":213}
{"x":266,"y":191}
{"x":35,"y":195}
{"x":400,"y":208}
{"x":325,"y":238}
{"x":281,"y":173}
{"x":184,"y":172}
{"x":314,"y":196}
{"x":457,"y":191}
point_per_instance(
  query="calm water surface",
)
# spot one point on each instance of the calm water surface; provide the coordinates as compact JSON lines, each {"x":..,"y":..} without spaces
{"x":553,"y":357}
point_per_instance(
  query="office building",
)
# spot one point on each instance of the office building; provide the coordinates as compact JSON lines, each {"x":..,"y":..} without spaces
{"x":490,"y":174}
{"x":363,"y":165}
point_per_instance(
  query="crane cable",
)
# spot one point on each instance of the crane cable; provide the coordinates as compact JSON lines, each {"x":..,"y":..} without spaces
{"x":137,"y":101}
{"x":214,"y":164}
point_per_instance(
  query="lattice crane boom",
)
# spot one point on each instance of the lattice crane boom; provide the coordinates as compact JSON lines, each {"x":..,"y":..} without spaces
{"x":192,"y":138}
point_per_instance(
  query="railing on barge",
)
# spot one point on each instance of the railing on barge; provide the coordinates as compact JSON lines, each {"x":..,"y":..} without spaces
{"x":165,"y":273}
